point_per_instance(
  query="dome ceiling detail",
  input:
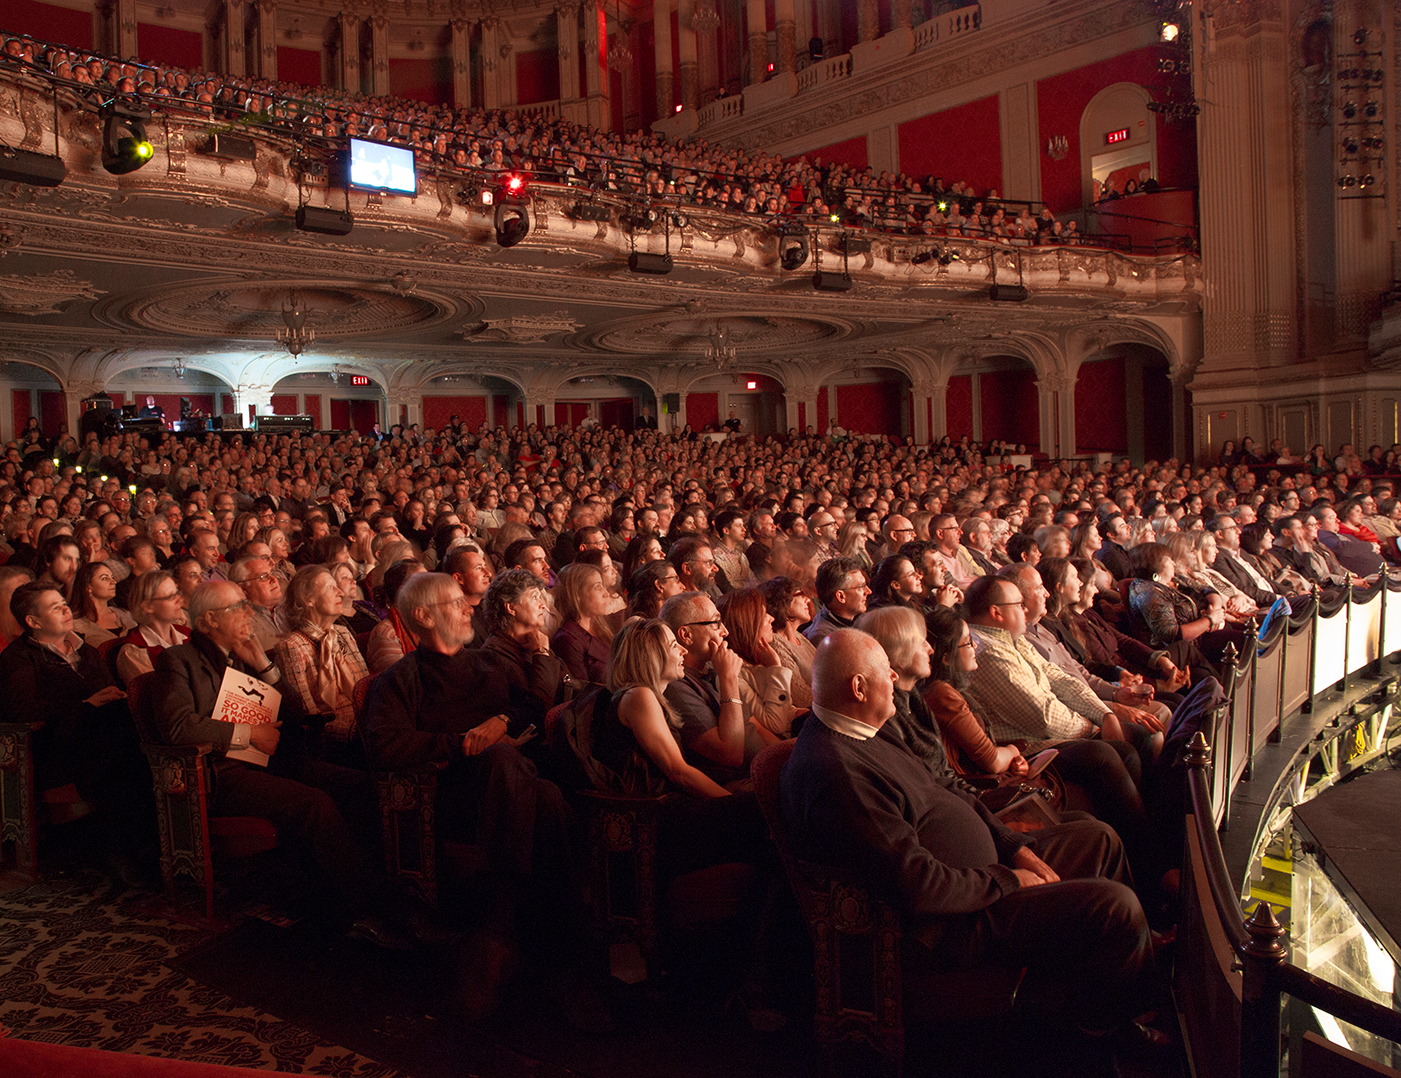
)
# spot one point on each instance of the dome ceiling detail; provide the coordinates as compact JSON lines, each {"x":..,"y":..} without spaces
{"x":690,"y":333}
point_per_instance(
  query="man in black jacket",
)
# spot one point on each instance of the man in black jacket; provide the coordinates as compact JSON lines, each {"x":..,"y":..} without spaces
{"x":87,"y":738}
{"x":970,"y":891}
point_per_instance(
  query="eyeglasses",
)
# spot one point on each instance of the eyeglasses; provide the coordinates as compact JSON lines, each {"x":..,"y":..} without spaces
{"x":165,"y":598}
{"x":255,"y":579}
{"x":697,"y":623}
{"x":967,"y":644}
{"x":240,"y":606}
{"x":460,"y":602}
{"x":1013,"y":602}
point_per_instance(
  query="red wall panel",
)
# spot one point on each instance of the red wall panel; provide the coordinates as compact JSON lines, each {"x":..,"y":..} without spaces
{"x":537,"y":76}
{"x":53,"y":411}
{"x":1060,"y":102}
{"x":959,"y":406}
{"x":364,"y":415}
{"x":21,"y":409}
{"x":500,"y":410}
{"x":823,"y":411}
{"x":1101,"y":424}
{"x":646,"y":40}
{"x":311,"y":404}
{"x":340,"y":414}
{"x":423,"y":80}
{"x":570,"y":413}
{"x":284,"y":404}
{"x":226,"y":403}
{"x":167,"y":45}
{"x":851,"y":152}
{"x":52,"y":23}
{"x":1010,"y":410}
{"x":299,"y":65}
{"x":702,"y":410}
{"x":616,"y":413}
{"x":873,"y":408}
{"x":961,"y":143}
{"x":437,"y":411}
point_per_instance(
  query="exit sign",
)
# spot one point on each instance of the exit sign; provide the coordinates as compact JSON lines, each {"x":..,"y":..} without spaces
{"x":1121,"y":135}
{"x":359,"y":380}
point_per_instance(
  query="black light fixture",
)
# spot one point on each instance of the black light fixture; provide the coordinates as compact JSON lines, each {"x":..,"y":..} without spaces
{"x":590,"y":211}
{"x":125,"y":147}
{"x":1016,"y":293}
{"x":512,"y":222}
{"x":793,"y":249}
{"x":512,"y":215}
{"x":642,"y":262}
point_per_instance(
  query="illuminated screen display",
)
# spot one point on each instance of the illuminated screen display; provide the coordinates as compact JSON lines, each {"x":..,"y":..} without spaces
{"x":382,"y":168}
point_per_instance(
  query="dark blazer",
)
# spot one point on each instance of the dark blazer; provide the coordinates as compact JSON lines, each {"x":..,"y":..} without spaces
{"x":584,"y":655}
{"x":1231,"y":567}
{"x":1116,"y":560}
{"x":185,"y":686}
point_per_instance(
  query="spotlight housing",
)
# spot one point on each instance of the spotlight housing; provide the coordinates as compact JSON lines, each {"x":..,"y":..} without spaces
{"x":1002,"y":293}
{"x":512,"y":222}
{"x":125,"y":147}
{"x":830,"y":281}
{"x":792,"y":250}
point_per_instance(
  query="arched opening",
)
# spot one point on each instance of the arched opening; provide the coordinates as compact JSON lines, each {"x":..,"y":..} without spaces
{"x":456,"y":398}
{"x":173,"y":386}
{"x":1118,"y":140}
{"x":33,"y":393}
{"x":994,"y":398}
{"x":870,"y":400}
{"x":335,"y":400}
{"x":1123,"y":404}
{"x":607,"y":400}
{"x":756,"y":400}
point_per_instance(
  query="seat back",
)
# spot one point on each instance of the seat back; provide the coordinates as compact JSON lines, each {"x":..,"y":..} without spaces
{"x":856,"y":939}
{"x":108,"y":650}
{"x":138,"y":698}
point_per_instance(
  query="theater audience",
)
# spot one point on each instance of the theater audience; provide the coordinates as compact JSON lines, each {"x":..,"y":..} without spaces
{"x":96,"y":620}
{"x":392,"y":638}
{"x":158,"y":605}
{"x":582,"y":641}
{"x":970,"y":892}
{"x":319,"y":661}
{"x":765,"y":684}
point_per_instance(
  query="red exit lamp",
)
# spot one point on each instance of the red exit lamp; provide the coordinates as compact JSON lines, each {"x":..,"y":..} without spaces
{"x":1121,"y":135}
{"x":751,"y":384}
{"x":359,"y":380}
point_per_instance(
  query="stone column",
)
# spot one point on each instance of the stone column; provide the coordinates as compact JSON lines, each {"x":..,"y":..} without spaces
{"x":757,"y":18}
{"x":379,"y":55}
{"x":567,"y":49}
{"x":929,"y":422}
{"x":228,"y":21}
{"x":706,"y":24}
{"x":690,"y":77}
{"x":461,"y":63}
{"x":260,"y":396}
{"x":1055,"y":397}
{"x":506,"y":67}
{"x":661,"y":33}
{"x":1247,"y":235}
{"x":867,"y":20}
{"x":786,"y":32}
{"x":902,"y":14}
{"x":595,"y":60}
{"x":267,"y":39}
{"x":124,"y":28}
{"x":491,"y":60}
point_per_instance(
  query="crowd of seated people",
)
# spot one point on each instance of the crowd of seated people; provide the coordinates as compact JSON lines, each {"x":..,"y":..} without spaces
{"x":980,"y":618}
{"x":642,"y":163}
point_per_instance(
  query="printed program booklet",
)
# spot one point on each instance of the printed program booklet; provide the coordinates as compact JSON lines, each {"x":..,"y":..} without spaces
{"x":246,"y":699}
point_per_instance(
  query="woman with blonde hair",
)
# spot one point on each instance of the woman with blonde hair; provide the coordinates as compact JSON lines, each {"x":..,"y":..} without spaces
{"x":637,"y":740}
{"x":851,"y":543}
{"x":281,"y":552}
{"x":584,"y":636}
{"x":157,"y":605}
{"x":319,"y":660}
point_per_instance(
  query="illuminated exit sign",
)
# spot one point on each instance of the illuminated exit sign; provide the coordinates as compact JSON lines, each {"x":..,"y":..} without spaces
{"x":359,"y":380}
{"x":1121,"y":135}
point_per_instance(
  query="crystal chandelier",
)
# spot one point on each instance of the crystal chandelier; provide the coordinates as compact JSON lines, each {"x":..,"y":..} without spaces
{"x":704,"y":18}
{"x":720,"y":351}
{"x":296,"y":336}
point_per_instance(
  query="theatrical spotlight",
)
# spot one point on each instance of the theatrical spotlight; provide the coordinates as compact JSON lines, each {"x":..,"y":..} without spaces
{"x":793,"y":249}
{"x":512,"y":223}
{"x":124,"y":144}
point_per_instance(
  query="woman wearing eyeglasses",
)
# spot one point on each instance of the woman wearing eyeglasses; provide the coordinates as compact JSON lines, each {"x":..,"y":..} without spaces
{"x":159,"y":608}
{"x":319,"y":661}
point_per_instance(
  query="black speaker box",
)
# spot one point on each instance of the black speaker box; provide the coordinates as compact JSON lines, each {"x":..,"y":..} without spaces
{"x":328,"y":222}
{"x":21,"y":166}
{"x":645,"y":263}
{"x":827,"y":281}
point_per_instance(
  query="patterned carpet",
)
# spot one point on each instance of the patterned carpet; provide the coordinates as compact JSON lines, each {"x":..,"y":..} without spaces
{"x":88,"y":964}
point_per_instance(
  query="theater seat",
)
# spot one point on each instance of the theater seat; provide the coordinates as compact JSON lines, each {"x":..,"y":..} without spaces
{"x":191,"y":840}
{"x":407,"y":809}
{"x":863,"y":1002}
{"x":25,"y":811}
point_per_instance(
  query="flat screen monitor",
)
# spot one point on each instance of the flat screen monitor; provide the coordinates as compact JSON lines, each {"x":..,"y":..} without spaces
{"x":382,"y":167}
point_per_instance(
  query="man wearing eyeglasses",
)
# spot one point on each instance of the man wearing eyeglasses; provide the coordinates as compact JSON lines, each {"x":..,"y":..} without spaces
{"x":956,"y":561}
{"x":307,"y":801}
{"x":263,"y":590}
{"x":896,"y":531}
{"x":715,"y":734}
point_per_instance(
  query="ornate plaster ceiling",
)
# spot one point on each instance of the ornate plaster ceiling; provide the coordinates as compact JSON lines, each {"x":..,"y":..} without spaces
{"x":253,"y":311}
{"x":750,"y":334}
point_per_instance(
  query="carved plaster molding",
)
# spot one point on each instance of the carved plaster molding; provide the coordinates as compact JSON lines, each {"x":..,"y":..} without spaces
{"x":43,"y":293}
